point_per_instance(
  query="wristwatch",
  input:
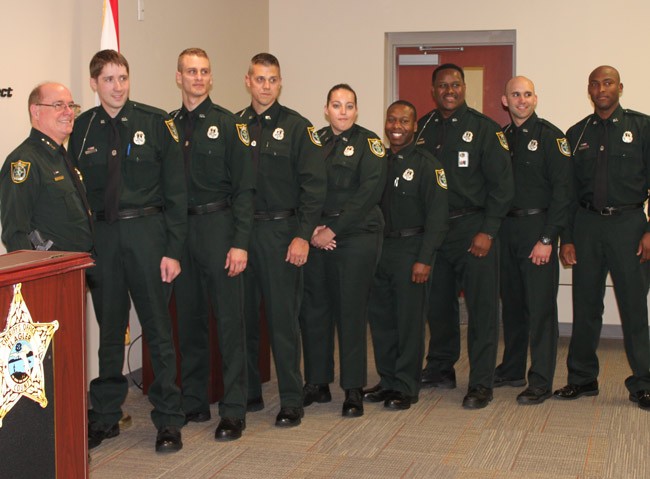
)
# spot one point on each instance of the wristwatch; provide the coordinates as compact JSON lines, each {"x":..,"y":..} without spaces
{"x":545,"y":240}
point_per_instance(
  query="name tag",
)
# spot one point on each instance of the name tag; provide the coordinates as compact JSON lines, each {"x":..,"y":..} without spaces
{"x":463,"y":159}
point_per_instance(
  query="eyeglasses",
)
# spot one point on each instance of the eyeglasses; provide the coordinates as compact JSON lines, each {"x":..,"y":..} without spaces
{"x":60,"y":106}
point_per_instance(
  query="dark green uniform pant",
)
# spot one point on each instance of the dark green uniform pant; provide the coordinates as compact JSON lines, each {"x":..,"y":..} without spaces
{"x":280,"y":283}
{"x":204,"y":281}
{"x":128,"y":262}
{"x":337,"y":289}
{"x":396,"y":315}
{"x":529,"y":301}
{"x":479,"y":279}
{"x":609,"y":243}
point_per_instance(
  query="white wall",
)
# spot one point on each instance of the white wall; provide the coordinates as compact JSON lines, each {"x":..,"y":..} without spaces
{"x":44,"y":40}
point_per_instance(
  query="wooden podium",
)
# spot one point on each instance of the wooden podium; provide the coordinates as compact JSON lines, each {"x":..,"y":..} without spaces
{"x":43,"y":388}
{"x":215,"y":385}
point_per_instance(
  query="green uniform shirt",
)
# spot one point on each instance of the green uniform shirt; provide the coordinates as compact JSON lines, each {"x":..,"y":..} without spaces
{"x":290,"y":174}
{"x":221,"y":166}
{"x":418,"y":197}
{"x":356,"y":174}
{"x":628,"y":159}
{"x":152,"y":164}
{"x":37,"y":193}
{"x":474,"y":153}
{"x":541,"y":166}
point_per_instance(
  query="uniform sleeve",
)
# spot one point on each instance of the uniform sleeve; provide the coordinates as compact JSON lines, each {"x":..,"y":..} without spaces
{"x":499,"y":182}
{"x":566,"y":235}
{"x":646,"y":158}
{"x":434,"y":186}
{"x":16,"y":204}
{"x":557,"y":152}
{"x":372,"y":178}
{"x":242,"y":174}
{"x":312,"y":180}
{"x":173,"y":188}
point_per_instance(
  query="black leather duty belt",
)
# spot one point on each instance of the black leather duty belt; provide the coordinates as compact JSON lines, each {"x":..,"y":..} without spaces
{"x":521,"y":212}
{"x":130,"y":214}
{"x":610,"y":210}
{"x":273,"y":215}
{"x":208,"y":208}
{"x":331,"y":213}
{"x":453,"y":214}
{"x":406,"y":232}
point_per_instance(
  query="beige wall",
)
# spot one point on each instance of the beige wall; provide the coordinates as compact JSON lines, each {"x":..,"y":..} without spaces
{"x":44,"y":40}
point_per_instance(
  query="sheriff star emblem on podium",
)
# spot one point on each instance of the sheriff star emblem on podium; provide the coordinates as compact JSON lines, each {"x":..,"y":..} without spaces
{"x":23,"y":345}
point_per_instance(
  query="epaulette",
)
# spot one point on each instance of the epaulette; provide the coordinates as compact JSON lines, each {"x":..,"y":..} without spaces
{"x":221,"y":109}
{"x":150,"y":109}
{"x":242,"y":113}
{"x":86,"y":114}
{"x":175,"y":113}
{"x":483,"y":116}
{"x":547,"y":124}
{"x":367,"y":133}
{"x":292,"y":112}
{"x":635,"y":113}
{"x":324,"y":133}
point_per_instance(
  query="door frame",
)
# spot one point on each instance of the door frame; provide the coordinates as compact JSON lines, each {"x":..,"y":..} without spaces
{"x":395,"y":40}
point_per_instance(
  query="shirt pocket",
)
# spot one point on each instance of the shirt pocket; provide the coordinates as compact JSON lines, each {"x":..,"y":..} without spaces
{"x":342,"y":172}
{"x":208,"y":163}
{"x":141,"y":168}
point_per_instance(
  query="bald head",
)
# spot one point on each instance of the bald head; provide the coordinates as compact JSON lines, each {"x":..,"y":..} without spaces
{"x":43,"y":114}
{"x":605,"y":89}
{"x":520,"y":99}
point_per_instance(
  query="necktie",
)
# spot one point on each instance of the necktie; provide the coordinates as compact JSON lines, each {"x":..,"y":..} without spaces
{"x":388,"y":193}
{"x":256,"y":140}
{"x":187,"y":146}
{"x":81,"y":189}
{"x":112,"y":192}
{"x":331,"y":145}
{"x":441,"y":136}
{"x":600,"y":178}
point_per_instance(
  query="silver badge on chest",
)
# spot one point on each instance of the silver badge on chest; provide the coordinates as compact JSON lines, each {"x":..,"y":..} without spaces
{"x":138,"y":138}
{"x":468,"y":136}
{"x":278,"y":134}
{"x":349,"y":150}
{"x":532,"y":146}
{"x":628,"y":137}
{"x":213,"y":132}
{"x":408,"y":174}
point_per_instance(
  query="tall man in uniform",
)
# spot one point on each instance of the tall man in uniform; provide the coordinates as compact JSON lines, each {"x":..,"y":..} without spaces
{"x":131,"y":162}
{"x":609,"y":231}
{"x":529,"y":237}
{"x":220,"y":187}
{"x":415,"y":209}
{"x":42,"y":200}
{"x":474,"y":152}
{"x":290,"y":191}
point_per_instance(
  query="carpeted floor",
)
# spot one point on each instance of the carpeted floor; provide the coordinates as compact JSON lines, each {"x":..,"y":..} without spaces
{"x":606,"y":436}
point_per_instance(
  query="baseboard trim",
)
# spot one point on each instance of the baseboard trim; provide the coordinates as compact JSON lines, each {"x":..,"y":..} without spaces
{"x":610,"y":331}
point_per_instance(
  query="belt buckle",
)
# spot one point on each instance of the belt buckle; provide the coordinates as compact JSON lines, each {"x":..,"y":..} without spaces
{"x":608,"y":211}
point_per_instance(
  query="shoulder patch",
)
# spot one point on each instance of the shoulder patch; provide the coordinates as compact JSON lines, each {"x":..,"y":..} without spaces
{"x":377,"y":147}
{"x":172,"y":129}
{"x":20,"y":171}
{"x":502,"y":140}
{"x":313,"y":136}
{"x":563,"y":146}
{"x":441,"y":178}
{"x":242,"y":132}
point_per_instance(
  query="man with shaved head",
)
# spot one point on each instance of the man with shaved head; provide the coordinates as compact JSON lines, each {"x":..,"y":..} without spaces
{"x":42,"y":201}
{"x":609,"y":232}
{"x":529,"y":235}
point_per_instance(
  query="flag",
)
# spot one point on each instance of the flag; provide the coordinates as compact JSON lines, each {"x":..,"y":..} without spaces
{"x":110,"y":27}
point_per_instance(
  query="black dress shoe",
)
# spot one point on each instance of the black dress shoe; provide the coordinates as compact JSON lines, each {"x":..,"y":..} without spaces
{"x":642,"y":398}
{"x":500,"y":381}
{"x":398,"y":401}
{"x":477,"y":397}
{"x":197,"y":416}
{"x":377,"y":394}
{"x":255,"y":404}
{"x":319,"y":393}
{"x":436,"y":379}
{"x":353,"y":404}
{"x":574,"y":391}
{"x":229,"y":429}
{"x":169,"y":439}
{"x":289,"y":416}
{"x":97,"y":433}
{"x":534,"y":396}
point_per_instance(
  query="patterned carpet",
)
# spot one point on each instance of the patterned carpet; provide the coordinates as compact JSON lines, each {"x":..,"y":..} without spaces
{"x":606,"y":436}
